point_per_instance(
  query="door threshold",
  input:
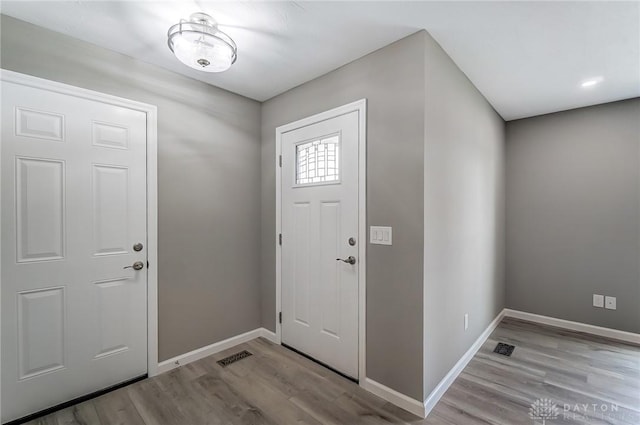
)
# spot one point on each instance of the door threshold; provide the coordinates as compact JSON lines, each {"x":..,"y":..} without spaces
{"x":320,"y":363}
{"x":75,"y":401}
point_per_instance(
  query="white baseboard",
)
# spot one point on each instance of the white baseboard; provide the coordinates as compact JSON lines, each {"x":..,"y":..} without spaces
{"x":405,"y":402}
{"x":446,"y":382}
{"x":574,"y":326}
{"x":268,"y":335}
{"x":203,"y":352}
{"x":394,"y":397}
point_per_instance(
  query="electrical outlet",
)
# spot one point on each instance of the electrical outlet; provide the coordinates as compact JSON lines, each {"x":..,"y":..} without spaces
{"x":598,"y":300}
{"x":610,"y":303}
{"x":466,"y":321}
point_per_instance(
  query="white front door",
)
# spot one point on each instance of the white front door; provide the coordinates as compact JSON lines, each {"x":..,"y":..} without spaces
{"x":320,"y":241}
{"x":73,"y":207}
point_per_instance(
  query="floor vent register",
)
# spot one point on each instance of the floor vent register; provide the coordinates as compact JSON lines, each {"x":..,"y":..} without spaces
{"x":504,"y":349}
{"x":234,"y":358}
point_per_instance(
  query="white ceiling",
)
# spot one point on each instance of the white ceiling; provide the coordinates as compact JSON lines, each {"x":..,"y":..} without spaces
{"x":527,"y":58}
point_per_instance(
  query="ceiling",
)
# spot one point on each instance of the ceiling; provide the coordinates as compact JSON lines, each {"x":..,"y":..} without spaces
{"x":527,"y":58}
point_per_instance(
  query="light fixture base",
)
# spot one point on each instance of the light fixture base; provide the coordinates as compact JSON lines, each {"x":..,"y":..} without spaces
{"x":203,"y":18}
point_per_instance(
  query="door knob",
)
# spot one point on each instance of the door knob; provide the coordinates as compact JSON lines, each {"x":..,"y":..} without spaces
{"x":350,"y":260}
{"x":138,"y":265}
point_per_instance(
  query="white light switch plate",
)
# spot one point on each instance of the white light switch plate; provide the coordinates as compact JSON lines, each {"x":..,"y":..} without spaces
{"x":610,"y":303}
{"x":598,"y":300}
{"x":380,"y":235}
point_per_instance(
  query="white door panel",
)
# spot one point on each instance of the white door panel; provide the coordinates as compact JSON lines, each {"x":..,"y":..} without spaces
{"x":73,"y":205}
{"x":40,"y":207}
{"x":110,"y":188}
{"x":319,"y":215}
{"x":41,"y":329}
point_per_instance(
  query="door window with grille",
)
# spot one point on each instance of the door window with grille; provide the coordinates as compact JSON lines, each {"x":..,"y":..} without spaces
{"x":318,"y":161}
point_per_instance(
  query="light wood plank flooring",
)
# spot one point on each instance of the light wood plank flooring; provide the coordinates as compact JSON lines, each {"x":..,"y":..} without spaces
{"x":278,"y":387}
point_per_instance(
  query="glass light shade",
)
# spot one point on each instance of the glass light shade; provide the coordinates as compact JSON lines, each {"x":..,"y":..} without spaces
{"x":200,"y":45}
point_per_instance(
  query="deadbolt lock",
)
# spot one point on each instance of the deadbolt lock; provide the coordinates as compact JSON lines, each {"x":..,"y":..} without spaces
{"x":138,"y":247}
{"x":352,"y":241}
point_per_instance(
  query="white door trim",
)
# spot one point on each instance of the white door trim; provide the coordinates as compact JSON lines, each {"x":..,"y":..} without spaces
{"x":361,"y":107}
{"x":152,"y":190}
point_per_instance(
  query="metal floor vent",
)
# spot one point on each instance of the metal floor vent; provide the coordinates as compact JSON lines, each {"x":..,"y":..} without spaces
{"x":504,"y":349}
{"x":234,"y":358}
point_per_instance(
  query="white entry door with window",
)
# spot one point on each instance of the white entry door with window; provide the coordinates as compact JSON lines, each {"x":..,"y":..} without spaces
{"x":74,"y":277}
{"x":320,"y":244}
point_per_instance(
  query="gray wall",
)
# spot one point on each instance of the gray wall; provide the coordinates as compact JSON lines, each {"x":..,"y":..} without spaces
{"x":463,"y":214}
{"x":209,"y":229}
{"x":573,"y":214}
{"x":392,"y":79}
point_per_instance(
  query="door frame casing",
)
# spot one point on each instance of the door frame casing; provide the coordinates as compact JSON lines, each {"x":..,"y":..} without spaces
{"x":359,"y":106}
{"x":151,"y":112}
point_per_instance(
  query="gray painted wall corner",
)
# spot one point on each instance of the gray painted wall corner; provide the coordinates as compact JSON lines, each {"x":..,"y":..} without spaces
{"x":573,"y":214}
{"x":464,"y":214}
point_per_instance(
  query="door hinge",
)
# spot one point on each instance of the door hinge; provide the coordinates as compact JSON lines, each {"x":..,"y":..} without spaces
{"x":280,"y":238}
{"x":280,"y":161}
{"x":280,"y":317}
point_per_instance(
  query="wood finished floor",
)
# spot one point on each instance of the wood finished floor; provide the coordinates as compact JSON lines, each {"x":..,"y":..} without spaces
{"x":276,"y":386}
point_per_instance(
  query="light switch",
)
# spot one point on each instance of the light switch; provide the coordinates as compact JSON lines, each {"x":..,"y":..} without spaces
{"x":380,"y":235}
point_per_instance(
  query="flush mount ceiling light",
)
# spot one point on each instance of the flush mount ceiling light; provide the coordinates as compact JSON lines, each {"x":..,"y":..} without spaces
{"x":199,"y":44}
